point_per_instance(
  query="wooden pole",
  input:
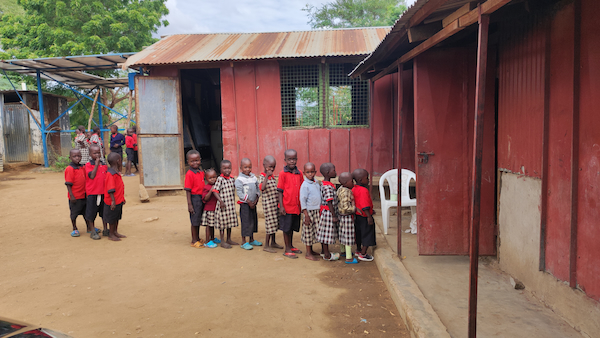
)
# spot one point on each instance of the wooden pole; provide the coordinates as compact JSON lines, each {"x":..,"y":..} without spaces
{"x":129,"y":110}
{"x":92,"y":111}
{"x":482,"y":46}
{"x":399,"y":155}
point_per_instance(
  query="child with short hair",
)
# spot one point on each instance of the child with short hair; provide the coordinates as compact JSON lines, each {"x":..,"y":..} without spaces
{"x":117,"y":140}
{"x":346,"y":210}
{"x":310,"y":203}
{"x":364,"y":224}
{"x":210,"y":204}
{"x":290,"y":180}
{"x":327,"y":233}
{"x":94,"y":186}
{"x":114,"y":196}
{"x":131,"y":151}
{"x":246,"y":186}
{"x":75,"y":182}
{"x":267,"y":184}
{"x":224,"y":191}
{"x":193,"y":185}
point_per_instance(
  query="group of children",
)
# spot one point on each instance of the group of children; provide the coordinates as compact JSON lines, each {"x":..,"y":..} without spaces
{"x":329,"y":214}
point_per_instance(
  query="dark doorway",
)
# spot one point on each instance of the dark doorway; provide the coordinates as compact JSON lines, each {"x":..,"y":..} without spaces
{"x":202,"y":121}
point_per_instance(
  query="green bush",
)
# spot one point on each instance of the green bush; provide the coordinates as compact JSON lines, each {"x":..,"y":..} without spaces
{"x":61,"y":163}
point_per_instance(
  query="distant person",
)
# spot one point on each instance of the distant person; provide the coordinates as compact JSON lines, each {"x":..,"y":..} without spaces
{"x":246,"y":186}
{"x":290,"y":180}
{"x":95,"y":175}
{"x":95,"y":139}
{"x":114,"y":196}
{"x":364,"y":224}
{"x":268,"y":188}
{"x":75,"y":182}
{"x":83,"y":144}
{"x":224,"y":191}
{"x":193,"y":185}
{"x":310,"y":204}
{"x":328,"y":232}
{"x":210,"y":203}
{"x":131,"y":151}
{"x":117,"y":140}
{"x":346,"y":210}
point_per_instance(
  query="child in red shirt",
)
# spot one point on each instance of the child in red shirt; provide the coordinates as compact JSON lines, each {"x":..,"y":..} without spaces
{"x":194,"y":183}
{"x":131,"y":151}
{"x":290,"y":181}
{"x":114,"y":196}
{"x":95,"y":174}
{"x":210,"y":204}
{"x":364,"y":225}
{"x":75,"y":182}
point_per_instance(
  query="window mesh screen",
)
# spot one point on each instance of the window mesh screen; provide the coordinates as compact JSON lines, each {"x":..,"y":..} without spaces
{"x":347,"y":99}
{"x":300,"y":96}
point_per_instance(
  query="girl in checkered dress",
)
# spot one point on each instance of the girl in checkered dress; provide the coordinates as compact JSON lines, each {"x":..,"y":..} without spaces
{"x":210,"y":204}
{"x":327,"y":232}
{"x":346,"y":210}
{"x":225,"y":215}
{"x":268,"y":188}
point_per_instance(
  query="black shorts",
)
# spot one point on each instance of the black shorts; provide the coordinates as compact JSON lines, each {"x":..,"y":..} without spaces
{"x":249,"y":220}
{"x":132,"y":155}
{"x":112,"y":216}
{"x":93,"y":208}
{"x":365,"y":233}
{"x":196,"y":217}
{"x":77,"y":208}
{"x":289,"y":223}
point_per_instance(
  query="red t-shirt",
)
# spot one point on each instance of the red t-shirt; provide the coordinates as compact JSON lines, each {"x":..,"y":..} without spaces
{"x":211,"y":205}
{"x":75,"y":177}
{"x":135,"y":147}
{"x":362,"y":199}
{"x":114,"y":183}
{"x":129,"y":142}
{"x":95,"y":186}
{"x":289,"y":183}
{"x":194,"y":181}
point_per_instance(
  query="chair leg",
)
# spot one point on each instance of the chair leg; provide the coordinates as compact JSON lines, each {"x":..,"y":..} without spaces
{"x":386,"y":220}
{"x":413,"y":220}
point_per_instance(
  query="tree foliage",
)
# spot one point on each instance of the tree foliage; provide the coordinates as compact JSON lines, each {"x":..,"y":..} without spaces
{"x":355,"y":13}
{"x":79,"y":27}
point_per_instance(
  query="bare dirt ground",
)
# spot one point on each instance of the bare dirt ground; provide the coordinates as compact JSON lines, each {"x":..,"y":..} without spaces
{"x":154,"y":284}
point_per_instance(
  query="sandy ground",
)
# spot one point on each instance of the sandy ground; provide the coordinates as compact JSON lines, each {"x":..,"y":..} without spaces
{"x":154,"y":284}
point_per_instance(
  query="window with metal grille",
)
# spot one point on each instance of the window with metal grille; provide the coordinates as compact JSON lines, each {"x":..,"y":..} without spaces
{"x":322,"y":95}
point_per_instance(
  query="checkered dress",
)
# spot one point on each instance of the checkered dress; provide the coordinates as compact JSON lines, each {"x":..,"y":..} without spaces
{"x":270,"y":199}
{"x":327,"y":232}
{"x":346,"y":225}
{"x":309,"y":233}
{"x":83,"y":146}
{"x":208,"y":218}
{"x":226,"y":218}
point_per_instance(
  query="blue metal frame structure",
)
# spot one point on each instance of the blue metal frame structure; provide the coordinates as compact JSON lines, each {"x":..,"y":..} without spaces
{"x":27,"y":67}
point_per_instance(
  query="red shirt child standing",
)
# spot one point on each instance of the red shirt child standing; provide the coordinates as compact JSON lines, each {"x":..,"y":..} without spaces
{"x":114,"y":196}
{"x":75,"y":182}
{"x":290,"y":181}
{"x":364,"y":224}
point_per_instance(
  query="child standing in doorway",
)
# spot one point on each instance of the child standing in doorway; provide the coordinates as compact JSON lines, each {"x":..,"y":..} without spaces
{"x":364,"y":224}
{"x":310,"y":202}
{"x":246,"y":186}
{"x":327,"y":232}
{"x":268,"y":187}
{"x":290,"y":180}
{"x":224,"y":191}
{"x":346,"y":209}
{"x":193,"y":185}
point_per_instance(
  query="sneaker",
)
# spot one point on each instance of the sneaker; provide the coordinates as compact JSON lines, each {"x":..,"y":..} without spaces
{"x":94,"y":235}
{"x":211,"y":245}
{"x":255,"y":243}
{"x":365,"y":257}
{"x":216,"y":241}
{"x":246,"y":246}
{"x":357,"y":253}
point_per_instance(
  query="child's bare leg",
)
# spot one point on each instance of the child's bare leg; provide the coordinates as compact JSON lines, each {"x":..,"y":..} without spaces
{"x":229,"y":241}
{"x":212,"y":233}
{"x":113,"y":229}
{"x":364,"y":250}
{"x":117,"y":231}
{"x":288,"y":241}
{"x":274,"y":243}
{"x":128,"y":167}
{"x":136,"y":168}
{"x":310,"y":254}
{"x":292,"y":239}
{"x":267,"y":246}
{"x":195,"y":234}
{"x":326,"y":251}
{"x":74,"y":223}
{"x":224,"y":244}
{"x":207,"y":234}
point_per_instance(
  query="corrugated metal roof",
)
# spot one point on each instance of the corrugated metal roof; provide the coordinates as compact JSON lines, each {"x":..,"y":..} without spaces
{"x":186,"y":48}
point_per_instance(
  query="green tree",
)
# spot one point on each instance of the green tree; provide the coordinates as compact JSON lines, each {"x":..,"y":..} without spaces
{"x":355,"y":13}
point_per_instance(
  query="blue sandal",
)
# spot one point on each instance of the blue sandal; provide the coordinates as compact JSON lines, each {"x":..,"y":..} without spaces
{"x":75,"y":233}
{"x":255,"y":243}
{"x":246,"y":246}
{"x":216,"y":240}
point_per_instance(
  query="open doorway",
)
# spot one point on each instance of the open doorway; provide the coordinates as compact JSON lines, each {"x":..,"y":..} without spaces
{"x":202,"y":121}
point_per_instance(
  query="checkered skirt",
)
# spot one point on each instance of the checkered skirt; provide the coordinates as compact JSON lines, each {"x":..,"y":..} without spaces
{"x":327,"y":232}
{"x":227,"y":217}
{"x":346,"y":229}
{"x":309,"y":232}
{"x":270,"y":199}
{"x":208,"y":218}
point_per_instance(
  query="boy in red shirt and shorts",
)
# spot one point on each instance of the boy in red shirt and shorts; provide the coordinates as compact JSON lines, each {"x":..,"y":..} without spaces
{"x":75,"y":182}
{"x":95,"y":174}
{"x":114,"y":196}
{"x":364,"y":225}
{"x":290,"y":181}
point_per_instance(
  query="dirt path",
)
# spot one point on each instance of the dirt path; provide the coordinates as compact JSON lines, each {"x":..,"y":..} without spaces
{"x":154,"y":284}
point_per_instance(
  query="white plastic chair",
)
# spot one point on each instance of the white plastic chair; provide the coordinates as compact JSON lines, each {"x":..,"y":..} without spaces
{"x":391,"y":177}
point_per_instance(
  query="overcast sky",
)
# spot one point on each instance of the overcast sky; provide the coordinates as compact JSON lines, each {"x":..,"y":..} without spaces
{"x":217,"y":16}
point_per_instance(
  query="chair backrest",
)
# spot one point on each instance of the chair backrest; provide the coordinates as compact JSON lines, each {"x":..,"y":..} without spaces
{"x":391,"y":176}
{"x":406,"y":176}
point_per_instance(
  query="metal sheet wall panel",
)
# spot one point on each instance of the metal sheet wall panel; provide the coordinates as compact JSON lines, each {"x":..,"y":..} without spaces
{"x":360,"y":149}
{"x":383,"y":122}
{"x":297,"y":140}
{"x":521,"y":99}
{"x":161,"y":160}
{"x":319,"y":142}
{"x":16,"y":133}
{"x":230,"y":141}
{"x":340,"y":154}
{"x":588,"y":231}
{"x":245,"y":103}
{"x":158,"y":107}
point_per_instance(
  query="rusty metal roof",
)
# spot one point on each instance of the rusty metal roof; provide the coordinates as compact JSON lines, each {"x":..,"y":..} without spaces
{"x":186,"y":48}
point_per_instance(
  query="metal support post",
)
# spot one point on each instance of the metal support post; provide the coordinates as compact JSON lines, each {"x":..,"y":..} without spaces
{"x":100,"y":123}
{"x":41,"y":110}
{"x":399,"y":154}
{"x":482,"y":46}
